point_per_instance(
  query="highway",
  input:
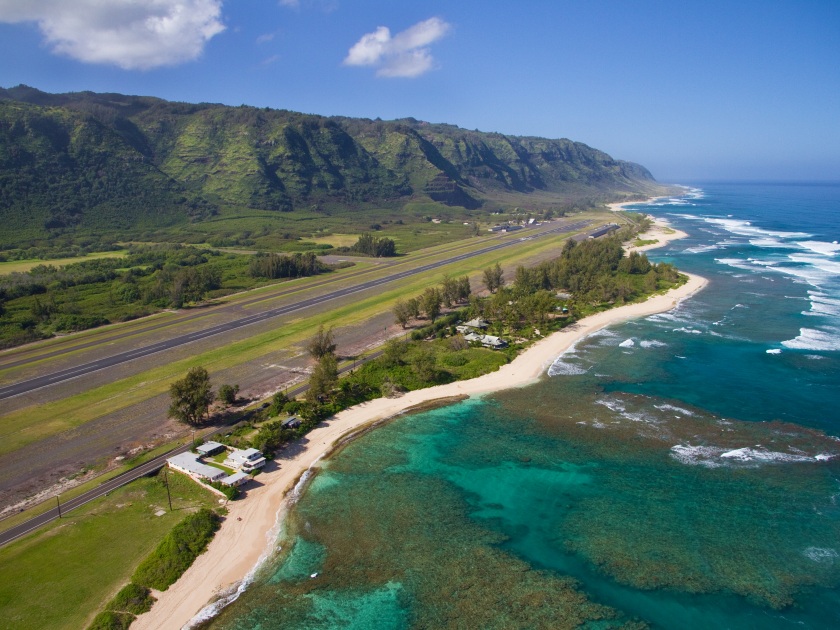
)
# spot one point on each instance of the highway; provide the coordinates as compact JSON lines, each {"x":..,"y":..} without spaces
{"x":153,"y":465}
{"x":23,"y":387}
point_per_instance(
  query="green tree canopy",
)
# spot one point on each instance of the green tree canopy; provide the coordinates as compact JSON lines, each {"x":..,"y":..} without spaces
{"x":228,"y":393}
{"x":493,"y":278}
{"x":191,"y":397}
{"x":323,"y":379}
{"x":322,"y":343}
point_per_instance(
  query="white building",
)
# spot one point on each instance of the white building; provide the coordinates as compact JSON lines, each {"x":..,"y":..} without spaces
{"x":209,"y":448}
{"x":188,"y":464}
{"x":245,"y":460}
{"x":236,"y":479}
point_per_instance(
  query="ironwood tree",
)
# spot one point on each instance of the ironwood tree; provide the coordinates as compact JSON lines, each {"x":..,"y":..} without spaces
{"x":401,"y":313}
{"x":324,"y":378}
{"x":493,"y":278}
{"x":430,"y":301}
{"x":191,"y":397}
{"x":228,"y":393}
{"x":322,"y":343}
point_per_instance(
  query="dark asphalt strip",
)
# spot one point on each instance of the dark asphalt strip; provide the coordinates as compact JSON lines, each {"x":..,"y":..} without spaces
{"x":30,"y":385}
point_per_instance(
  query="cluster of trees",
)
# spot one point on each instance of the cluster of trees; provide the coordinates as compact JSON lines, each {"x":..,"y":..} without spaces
{"x":370,"y":245}
{"x":46,"y":249}
{"x":430,"y":302}
{"x":593,"y":272}
{"x":175,"y":287}
{"x":49,"y":298}
{"x":275,"y":266}
{"x":89,"y":293}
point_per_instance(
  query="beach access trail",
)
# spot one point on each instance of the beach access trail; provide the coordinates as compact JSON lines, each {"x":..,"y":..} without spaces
{"x":250,"y":529}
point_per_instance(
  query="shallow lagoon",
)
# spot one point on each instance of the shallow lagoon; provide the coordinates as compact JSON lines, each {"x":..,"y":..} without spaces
{"x":673,"y":473}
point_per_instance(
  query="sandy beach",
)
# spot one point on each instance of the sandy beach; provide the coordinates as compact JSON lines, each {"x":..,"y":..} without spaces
{"x":661,"y":231}
{"x":249,"y":531}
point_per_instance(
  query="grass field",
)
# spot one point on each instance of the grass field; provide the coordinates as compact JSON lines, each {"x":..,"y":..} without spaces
{"x":20,"y":266}
{"x":12,"y":519}
{"x":60,"y":576}
{"x":336,"y":240}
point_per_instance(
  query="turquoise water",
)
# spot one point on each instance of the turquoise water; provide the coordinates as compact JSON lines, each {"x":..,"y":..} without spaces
{"x":671,"y":473}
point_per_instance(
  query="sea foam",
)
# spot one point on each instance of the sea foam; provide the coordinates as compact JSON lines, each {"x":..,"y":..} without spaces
{"x":823,"y":555}
{"x":652,"y":343}
{"x":821,"y":247}
{"x":815,"y":339}
{"x":716,"y":456}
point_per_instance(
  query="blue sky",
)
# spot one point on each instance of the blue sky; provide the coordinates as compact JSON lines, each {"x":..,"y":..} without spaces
{"x":736,"y":89}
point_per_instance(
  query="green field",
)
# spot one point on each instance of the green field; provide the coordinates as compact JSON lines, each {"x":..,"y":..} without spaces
{"x":20,"y":266}
{"x":60,"y":576}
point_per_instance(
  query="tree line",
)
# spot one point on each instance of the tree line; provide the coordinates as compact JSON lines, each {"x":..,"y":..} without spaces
{"x":370,"y":245}
{"x":49,"y":298}
{"x":274,"y":266}
{"x":430,"y":302}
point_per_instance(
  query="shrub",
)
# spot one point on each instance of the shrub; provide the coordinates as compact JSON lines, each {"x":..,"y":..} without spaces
{"x":174,"y":555}
{"x":227,"y":393}
{"x":229,"y":491}
{"x":133,"y":599}
{"x":110,"y":620}
{"x":292,"y":407}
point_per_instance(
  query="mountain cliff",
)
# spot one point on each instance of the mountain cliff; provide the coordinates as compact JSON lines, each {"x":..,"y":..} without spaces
{"x":88,"y":162}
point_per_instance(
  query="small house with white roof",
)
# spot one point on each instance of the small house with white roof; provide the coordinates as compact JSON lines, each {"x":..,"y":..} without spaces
{"x":245,"y":460}
{"x":209,"y":448}
{"x":189,"y":464}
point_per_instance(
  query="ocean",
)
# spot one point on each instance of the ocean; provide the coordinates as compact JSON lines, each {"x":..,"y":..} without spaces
{"x":679,"y":471}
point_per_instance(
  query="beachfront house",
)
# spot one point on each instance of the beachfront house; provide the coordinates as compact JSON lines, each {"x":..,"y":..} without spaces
{"x":488,"y":341}
{"x":189,"y":464}
{"x":236,"y":479}
{"x":246,"y":460}
{"x":473,"y":325}
{"x":209,"y":448}
{"x":291,"y":423}
{"x":494,"y":343}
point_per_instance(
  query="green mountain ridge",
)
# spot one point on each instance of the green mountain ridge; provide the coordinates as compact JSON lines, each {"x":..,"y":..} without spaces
{"x":95,"y":163}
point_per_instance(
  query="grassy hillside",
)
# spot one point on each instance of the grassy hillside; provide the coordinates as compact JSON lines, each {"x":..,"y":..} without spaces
{"x":112,"y":167}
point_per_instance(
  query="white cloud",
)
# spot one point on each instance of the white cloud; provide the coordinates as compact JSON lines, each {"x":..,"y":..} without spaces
{"x":405,"y":54}
{"x":131,"y":34}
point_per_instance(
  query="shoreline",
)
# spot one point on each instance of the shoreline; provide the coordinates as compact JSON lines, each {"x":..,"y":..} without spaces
{"x":240,"y":547}
{"x":661,"y":231}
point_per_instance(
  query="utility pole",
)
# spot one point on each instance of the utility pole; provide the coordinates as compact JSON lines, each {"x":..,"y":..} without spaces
{"x":58,"y":503}
{"x":168,"y":495}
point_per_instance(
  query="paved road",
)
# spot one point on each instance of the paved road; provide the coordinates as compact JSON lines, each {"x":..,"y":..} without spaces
{"x":46,"y":380}
{"x":142,"y":470}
